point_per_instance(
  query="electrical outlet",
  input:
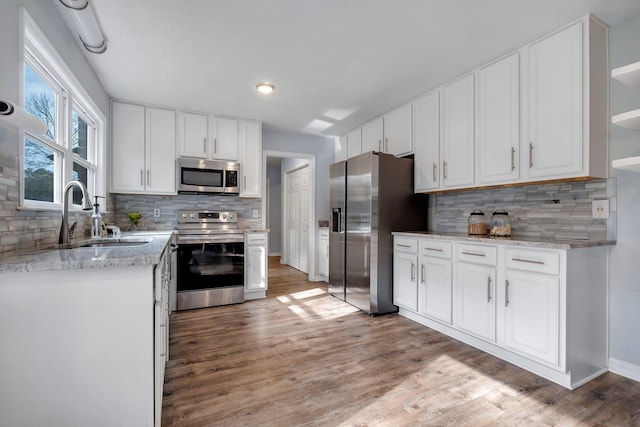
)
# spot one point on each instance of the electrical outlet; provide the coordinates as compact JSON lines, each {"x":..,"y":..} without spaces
{"x":156,"y":213}
{"x":256,"y":213}
{"x":600,"y":209}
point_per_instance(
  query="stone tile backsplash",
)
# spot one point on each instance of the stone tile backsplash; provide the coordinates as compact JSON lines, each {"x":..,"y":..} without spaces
{"x":558,"y":210}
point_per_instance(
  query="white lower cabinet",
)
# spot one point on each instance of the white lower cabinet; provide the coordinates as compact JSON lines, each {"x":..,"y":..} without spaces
{"x":255,"y":282}
{"x":405,"y":284}
{"x":323,"y":253}
{"x":434,"y":289}
{"x":543,"y":309}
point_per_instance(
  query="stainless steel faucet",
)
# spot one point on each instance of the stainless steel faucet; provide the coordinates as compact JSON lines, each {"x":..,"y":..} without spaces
{"x":86,"y":206}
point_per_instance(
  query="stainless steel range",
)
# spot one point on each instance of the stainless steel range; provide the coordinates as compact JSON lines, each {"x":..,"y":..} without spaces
{"x":210,"y":259}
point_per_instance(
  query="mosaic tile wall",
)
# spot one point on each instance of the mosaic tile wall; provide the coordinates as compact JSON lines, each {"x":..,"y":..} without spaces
{"x":559,"y":210}
{"x":169,"y":206}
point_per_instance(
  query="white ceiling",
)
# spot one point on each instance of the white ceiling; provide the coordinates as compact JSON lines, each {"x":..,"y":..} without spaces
{"x":343,"y":62}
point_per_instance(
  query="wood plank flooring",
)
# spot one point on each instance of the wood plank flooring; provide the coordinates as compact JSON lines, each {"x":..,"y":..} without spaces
{"x":304,"y":358}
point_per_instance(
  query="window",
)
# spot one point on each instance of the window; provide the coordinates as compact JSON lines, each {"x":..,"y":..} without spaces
{"x":72,"y":148}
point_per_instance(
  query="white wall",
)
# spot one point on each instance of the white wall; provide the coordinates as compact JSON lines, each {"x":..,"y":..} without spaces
{"x":275,"y":209}
{"x":624,"y":42}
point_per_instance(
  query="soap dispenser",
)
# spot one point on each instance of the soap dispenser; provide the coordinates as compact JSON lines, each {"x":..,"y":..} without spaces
{"x":96,"y":220}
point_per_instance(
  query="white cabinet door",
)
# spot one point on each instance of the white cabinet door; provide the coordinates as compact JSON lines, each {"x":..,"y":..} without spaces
{"x":354,"y":143}
{"x":323,"y":253}
{"x":193,"y":135}
{"x":434,"y":290}
{"x":372,"y":136}
{"x":457,"y":147}
{"x":426,"y":142}
{"x":398,"y":135}
{"x":224,"y":136}
{"x":499,"y":120}
{"x":555,"y":137}
{"x":405,"y":286}
{"x":128,"y":149}
{"x":161,"y":151}
{"x":476,"y":307}
{"x":341,"y":149}
{"x":251,"y":158}
{"x":532,"y":315}
{"x":256,"y":268}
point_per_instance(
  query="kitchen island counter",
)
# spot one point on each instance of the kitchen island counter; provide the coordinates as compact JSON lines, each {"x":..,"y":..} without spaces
{"x":73,"y":256}
{"x":535,"y":242}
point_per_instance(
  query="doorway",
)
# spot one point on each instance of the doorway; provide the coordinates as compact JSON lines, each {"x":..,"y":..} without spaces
{"x":282,"y":243}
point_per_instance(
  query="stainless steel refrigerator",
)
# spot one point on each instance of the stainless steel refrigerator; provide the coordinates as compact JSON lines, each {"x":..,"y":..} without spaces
{"x":371,"y":195}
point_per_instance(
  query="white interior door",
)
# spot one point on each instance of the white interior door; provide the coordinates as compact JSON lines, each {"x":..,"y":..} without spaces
{"x":303,"y":215}
{"x":293,"y":223}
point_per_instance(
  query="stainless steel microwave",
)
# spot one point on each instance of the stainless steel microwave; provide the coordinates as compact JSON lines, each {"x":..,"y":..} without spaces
{"x":207,"y":176}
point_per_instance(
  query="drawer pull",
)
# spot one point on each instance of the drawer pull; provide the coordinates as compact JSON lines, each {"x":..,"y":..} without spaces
{"x":403,"y":246}
{"x":473,"y":253}
{"x":530,"y":261}
{"x":433,"y":249}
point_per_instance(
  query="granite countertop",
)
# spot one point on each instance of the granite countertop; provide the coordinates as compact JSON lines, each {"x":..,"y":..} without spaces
{"x":69,"y":257}
{"x":536,"y":242}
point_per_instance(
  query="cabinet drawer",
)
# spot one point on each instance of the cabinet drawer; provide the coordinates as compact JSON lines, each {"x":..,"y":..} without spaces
{"x":404,"y":244}
{"x":533,"y":260}
{"x":478,"y":254}
{"x":435,"y":248}
{"x":256,"y":239}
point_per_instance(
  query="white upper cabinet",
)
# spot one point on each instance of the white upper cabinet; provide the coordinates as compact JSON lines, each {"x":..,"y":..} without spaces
{"x":341,"y":149}
{"x":457,"y":145}
{"x":373,"y":136}
{"x":193,"y":135}
{"x":354,"y":143}
{"x":207,"y":137}
{"x":143,"y":149}
{"x":426,"y":142}
{"x":398,"y":138}
{"x":224,"y":137}
{"x":250,"y":158}
{"x":567,"y":104}
{"x":499,"y":121}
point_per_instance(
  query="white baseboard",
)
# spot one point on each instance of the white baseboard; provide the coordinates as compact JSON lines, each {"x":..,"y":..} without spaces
{"x":275,"y":254}
{"x":625,"y":369}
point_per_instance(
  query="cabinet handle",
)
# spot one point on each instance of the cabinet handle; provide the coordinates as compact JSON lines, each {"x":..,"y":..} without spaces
{"x":506,"y":293}
{"x":444,"y":170}
{"x":244,"y":182}
{"x":204,"y":144}
{"x":148,"y":177}
{"x":413,"y":273}
{"x":433,"y":249}
{"x":141,"y":177}
{"x":473,"y":253}
{"x":402,"y":246}
{"x":215,"y":145}
{"x":513,"y":159}
{"x":435,"y":176}
{"x":379,"y":145}
{"x":422,"y":273}
{"x":530,"y":155}
{"x":530,"y":261}
{"x":488,"y":289}
{"x":386,"y":145}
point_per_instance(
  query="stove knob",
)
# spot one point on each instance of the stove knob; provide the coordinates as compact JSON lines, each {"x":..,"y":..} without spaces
{"x":184,"y":215}
{"x":224,"y":216}
{"x":192,"y":215}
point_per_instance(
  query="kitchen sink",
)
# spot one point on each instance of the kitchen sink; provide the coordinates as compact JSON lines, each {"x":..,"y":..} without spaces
{"x":114,"y":243}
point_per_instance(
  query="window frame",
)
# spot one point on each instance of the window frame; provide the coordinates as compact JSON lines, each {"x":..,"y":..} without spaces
{"x":37,"y":52}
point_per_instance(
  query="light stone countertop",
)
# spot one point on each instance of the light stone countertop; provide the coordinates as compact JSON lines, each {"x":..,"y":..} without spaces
{"x":59,"y":257}
{"x":534,"y":242}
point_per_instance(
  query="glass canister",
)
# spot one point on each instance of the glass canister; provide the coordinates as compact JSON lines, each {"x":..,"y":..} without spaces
{"x":500,"y":224}
{"x":477,"y":224}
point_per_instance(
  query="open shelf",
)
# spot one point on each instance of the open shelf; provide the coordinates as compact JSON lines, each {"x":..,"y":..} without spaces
{"x":629,"y":74}
{"x":629,"y":120}
{"x":629,"y":164}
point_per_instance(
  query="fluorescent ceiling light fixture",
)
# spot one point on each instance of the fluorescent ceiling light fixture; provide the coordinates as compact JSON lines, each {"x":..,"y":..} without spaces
{"x":265,"y":88}
{"x":338,"y":114}
{"x":83,"y":18}
{"x":318,"y":125}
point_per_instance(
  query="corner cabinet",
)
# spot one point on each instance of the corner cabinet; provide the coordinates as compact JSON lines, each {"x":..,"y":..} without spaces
{"x":250,"y":154}
{"x":143,"y":142}
{"x":543,"y":309}
{"x":255,"y":282}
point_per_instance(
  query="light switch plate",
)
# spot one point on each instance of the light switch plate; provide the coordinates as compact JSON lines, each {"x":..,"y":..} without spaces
{"x":156,"y":212}
{"x":256,"y":213}
{"x":600,"y":209}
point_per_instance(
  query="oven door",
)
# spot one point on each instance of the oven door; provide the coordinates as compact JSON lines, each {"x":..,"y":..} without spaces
{"x":210,"y":274}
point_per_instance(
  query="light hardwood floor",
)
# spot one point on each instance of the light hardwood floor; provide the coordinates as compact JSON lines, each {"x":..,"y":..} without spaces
{"x":304,"y":358}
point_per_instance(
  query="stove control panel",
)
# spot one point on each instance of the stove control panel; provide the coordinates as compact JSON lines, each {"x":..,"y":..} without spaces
{"x":185,"y":216}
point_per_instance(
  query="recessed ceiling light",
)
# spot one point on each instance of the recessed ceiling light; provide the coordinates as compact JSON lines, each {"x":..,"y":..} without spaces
{"x":265,"y":88}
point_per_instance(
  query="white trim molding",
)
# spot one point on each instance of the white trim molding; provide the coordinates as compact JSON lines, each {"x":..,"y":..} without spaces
{"x":626,"y":369}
